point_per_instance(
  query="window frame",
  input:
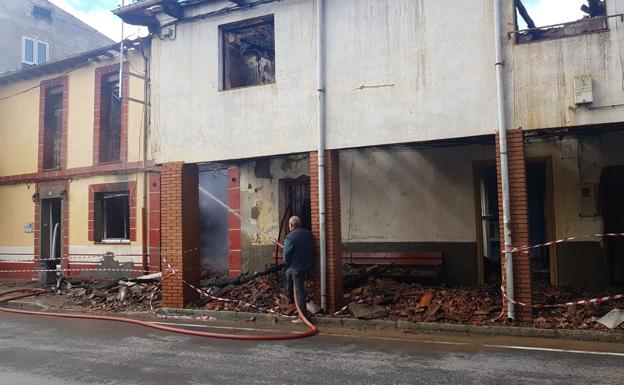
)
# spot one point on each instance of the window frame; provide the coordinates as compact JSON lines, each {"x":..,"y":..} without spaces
{"x":224,"y":29}
{"x":100,"y":216}
{"x":35,"y":43}
{"x":57,"y":91}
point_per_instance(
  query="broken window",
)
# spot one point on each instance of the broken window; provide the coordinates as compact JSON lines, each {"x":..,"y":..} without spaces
{"x":550,"y":19}
{"x":248,"y":53}
{"x":112,"y":216}
{"x":52,"y":127}
{"x":110,"y":119}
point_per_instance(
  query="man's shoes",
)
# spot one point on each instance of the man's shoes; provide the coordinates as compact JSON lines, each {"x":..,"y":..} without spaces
{"x":297,"y":321}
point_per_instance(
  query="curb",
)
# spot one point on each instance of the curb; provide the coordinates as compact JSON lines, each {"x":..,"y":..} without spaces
{"x":362,"y":325}
{"x":405,"y":326}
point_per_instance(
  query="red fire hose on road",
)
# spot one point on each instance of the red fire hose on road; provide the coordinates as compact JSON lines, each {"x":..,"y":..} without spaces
{"x":312,"y":330}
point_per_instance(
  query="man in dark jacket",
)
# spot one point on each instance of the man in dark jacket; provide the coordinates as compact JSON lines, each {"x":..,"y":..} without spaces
{"x":299,"y":261}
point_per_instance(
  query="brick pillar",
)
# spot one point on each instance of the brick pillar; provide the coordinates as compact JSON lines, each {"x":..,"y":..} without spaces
{"x":234,"y":221}
{"x":332,"y":223}
{"x":180,"y":244}
{"x":519,"y":219}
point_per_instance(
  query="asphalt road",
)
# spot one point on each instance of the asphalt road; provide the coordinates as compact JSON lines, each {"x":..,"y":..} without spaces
{"x":51,"y":351}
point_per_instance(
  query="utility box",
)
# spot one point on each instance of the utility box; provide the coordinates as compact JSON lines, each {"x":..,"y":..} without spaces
{"x":583,"y":90}
{"x":47,"y":272}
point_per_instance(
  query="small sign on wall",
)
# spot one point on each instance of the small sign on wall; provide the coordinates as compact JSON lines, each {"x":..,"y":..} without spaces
{"x":28,"y":227}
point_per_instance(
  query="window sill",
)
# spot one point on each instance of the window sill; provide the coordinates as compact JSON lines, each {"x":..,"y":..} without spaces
{"x":223,"y":89}
{"x":113,"y":242}
{"x":109,"y":162}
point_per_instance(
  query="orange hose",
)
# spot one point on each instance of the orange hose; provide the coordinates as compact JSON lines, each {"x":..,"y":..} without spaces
{"x":312,"y":330}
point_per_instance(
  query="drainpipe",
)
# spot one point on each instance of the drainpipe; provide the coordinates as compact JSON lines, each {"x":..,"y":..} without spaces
{"x":502,"y":135}
{"x":121,"y":54}
{"x":320,"y":89}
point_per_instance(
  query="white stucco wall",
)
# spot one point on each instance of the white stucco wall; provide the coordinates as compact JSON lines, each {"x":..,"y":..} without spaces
{"x":410,"y":195}
{"x":397,"y":71}
{"x":540,"y":76}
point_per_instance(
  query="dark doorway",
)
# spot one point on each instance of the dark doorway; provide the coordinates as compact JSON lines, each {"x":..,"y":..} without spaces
{"x":489,"y":223}
{"x":51,"y":228}
{"x":296,"y":194}
{"x":214,"y":220}
{"x":612,"y":191}
{"x":538,"y":221}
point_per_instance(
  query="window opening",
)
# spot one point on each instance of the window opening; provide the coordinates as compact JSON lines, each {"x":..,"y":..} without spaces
{"x":110,"y":119}
{"x":548,"y":19}
{"x":52,"y":127}
{"x":248,"y":53}
{"x":112,"y":216}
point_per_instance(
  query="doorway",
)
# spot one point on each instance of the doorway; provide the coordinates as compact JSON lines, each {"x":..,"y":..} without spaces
{"x":488,"y":224}
{"x":541,"y":221}
{"x":295,"y":201}
{"x":51,"y":228}
{"x":612,"y":190}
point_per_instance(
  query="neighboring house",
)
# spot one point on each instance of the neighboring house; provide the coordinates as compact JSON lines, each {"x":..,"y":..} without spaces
{"x":75,"y":179}
{"x":37,"y":31}
{"x":410,"y":115}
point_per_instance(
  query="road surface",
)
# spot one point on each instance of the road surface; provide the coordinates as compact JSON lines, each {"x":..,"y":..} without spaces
{"x":51,"y":351}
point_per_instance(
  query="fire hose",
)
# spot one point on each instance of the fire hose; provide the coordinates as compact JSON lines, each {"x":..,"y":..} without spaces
{"x":30,"y":292}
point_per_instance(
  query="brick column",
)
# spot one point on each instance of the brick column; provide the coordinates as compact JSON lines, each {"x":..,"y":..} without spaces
{"x":234,"y":221}
{"x":332,"y":221}
{"x":180,"y":244}
{"x":519,"y":219}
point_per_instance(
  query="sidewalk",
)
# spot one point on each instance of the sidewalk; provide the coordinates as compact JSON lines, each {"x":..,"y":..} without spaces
{"x":338,"y":325}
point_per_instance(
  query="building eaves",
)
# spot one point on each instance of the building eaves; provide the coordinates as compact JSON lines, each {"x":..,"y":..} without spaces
{"x":144,"y":12}
{"x":65,"y":64}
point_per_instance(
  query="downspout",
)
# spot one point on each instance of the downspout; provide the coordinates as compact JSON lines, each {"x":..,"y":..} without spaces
{"x":320,"y":89}
{"x":146,"y":125}
{"x":121,"y":54}
{"x":502,"y":136}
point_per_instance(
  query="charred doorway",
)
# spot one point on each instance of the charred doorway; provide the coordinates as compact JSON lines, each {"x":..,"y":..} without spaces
{"x":612,"y":191}
{"x":296,"y":201}
{"x":51,"y":228}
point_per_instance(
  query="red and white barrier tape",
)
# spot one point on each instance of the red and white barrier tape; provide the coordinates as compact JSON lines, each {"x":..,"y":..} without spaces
{"x":342,"y":310}
{"x":572,"y":303}
{"x":66,"y":270}
{"x":526,"y":248}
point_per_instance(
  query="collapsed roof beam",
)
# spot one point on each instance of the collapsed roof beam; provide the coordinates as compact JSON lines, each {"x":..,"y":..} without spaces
{"x":525,"y":15}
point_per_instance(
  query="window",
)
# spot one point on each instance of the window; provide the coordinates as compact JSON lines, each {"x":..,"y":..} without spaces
{"x":112,"y":216}
{"x":34,"y":51}
{"x":548,"y":19}
{"x":248,"y":53}
{"x":41,"y":12}
{"x":110,"y":119}
{"x":52,"y":127}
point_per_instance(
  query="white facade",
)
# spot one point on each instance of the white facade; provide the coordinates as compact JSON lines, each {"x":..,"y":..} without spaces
{"x":397,"y":71}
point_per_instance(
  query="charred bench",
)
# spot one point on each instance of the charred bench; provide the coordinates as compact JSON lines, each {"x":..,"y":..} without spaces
{"x":428,"y":259}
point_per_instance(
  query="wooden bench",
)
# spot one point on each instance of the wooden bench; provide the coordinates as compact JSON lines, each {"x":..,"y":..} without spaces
{"x":397,"y":258}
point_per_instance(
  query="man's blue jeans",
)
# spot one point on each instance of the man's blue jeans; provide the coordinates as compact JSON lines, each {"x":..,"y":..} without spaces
{"x":296,"y":279}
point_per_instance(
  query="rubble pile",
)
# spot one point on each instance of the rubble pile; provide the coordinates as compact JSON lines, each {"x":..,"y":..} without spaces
{"x":262,"y":292}
{"x":578,"y":317}
{"x":106,"y":295}
{"x":415,"y":302}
